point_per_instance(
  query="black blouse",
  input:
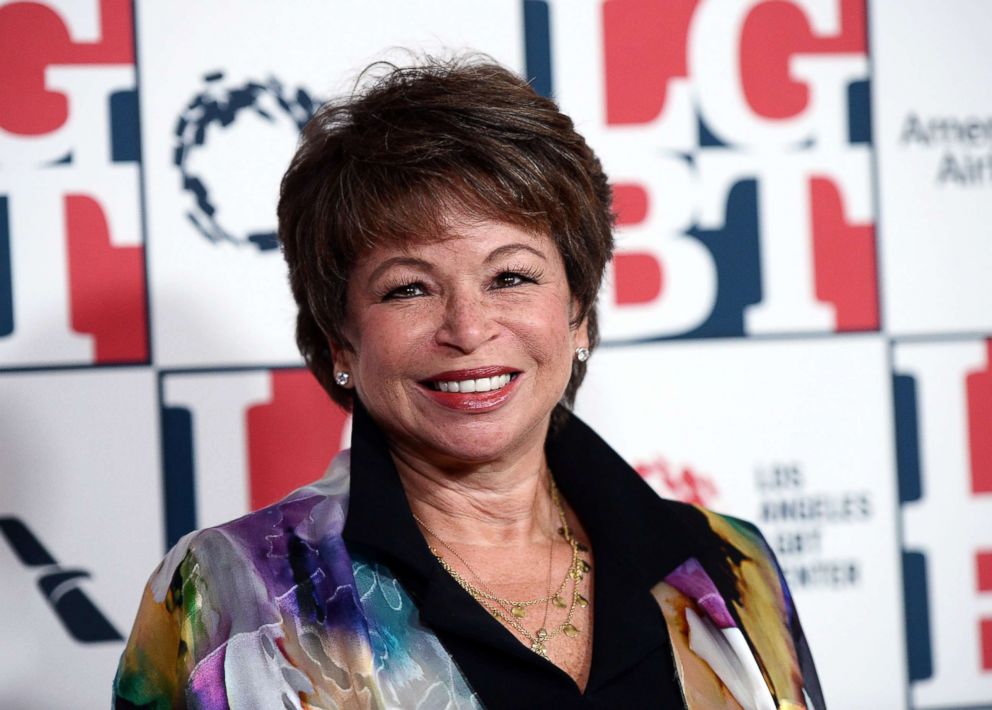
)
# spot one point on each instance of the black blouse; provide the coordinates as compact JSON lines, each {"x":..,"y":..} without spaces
{"x":637,"y":538}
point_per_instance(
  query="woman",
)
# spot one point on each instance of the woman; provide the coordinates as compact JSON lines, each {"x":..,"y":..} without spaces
{"x":446,"y":231}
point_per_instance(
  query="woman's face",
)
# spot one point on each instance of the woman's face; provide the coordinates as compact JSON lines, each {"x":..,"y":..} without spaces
{"x":461,"y":348}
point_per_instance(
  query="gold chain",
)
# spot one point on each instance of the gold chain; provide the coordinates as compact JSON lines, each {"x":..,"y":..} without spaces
{"x":576,"y":571}
{"x":485,"y":593}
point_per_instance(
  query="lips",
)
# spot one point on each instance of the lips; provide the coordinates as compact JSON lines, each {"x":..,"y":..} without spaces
{"x":475,"y":389}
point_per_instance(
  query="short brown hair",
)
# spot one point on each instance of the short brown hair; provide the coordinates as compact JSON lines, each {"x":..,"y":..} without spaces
{"x":397,"y":158}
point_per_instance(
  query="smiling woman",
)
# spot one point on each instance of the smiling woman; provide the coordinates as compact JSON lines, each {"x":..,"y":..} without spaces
{"x":446,"y":231}
{"x":462,"y":347}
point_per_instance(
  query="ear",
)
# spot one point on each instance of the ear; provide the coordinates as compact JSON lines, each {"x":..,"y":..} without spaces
{"x":580,"y":334}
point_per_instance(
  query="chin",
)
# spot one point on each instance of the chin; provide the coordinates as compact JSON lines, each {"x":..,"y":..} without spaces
{"x":480,"y":442}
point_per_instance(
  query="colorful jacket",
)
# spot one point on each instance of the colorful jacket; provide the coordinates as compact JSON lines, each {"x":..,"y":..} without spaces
{"x":274,"y":611}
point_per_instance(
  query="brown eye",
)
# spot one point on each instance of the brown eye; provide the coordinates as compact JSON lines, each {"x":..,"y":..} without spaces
{"x":509,"y":279}
{"x":411,"y":290}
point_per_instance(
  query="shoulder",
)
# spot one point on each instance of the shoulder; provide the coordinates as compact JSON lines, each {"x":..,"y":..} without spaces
{"x":714,"y":534}
{"x":307,"y":516}
{"x":220,"y":592}
{"x":265,"y":542}
{"x":736,"y":555}
{"x":740,"y":534}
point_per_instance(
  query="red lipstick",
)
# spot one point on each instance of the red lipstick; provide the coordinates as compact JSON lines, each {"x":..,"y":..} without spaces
{"x":471,"y":401}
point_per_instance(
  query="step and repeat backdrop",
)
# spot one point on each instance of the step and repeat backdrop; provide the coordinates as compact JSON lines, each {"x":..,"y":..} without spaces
{"x":797,"y":323}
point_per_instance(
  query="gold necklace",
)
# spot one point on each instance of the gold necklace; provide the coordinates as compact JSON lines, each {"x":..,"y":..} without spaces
{"x":517,"y":608}
{"x":577,"y":569}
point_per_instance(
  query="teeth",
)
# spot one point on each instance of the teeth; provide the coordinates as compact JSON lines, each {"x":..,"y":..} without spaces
{"x":483,"y":384}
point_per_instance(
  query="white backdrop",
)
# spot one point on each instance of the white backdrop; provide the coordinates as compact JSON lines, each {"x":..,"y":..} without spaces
{"x":797,"y":324}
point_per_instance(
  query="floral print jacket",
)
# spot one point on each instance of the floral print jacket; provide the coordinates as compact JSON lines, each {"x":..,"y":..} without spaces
{"x":274,"y":611}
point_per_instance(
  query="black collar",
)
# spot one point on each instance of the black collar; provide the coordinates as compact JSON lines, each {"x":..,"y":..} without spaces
{"x":637,"y":539}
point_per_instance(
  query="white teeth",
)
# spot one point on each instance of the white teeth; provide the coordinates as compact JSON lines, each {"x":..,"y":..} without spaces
{"x":483,"y":384}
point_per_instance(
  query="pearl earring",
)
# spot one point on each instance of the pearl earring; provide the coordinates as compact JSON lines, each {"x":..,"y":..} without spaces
{"x":342,"y":378}
{"x":581,"y":354}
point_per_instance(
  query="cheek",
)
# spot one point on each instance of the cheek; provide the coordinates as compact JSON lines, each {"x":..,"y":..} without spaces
{"x":549,"y":337}
{"x":376,"y":355}
{"x":387,"y":344}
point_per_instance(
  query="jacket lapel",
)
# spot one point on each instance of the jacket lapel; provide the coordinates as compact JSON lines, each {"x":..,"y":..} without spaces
{"x":732,"y":648}
{"x":715,"y":664}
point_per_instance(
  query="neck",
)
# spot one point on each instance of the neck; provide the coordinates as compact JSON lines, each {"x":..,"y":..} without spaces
{"x":492,"y":505}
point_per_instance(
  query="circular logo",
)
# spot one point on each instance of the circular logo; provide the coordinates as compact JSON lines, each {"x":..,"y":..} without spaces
{"x":214,"y":111}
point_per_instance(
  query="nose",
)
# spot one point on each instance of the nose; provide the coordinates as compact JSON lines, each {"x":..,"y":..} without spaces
{"x":468,"y":322}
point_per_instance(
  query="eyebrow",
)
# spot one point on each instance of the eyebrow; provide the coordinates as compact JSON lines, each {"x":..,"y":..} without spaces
{"x":399,"y":261}
{"x":507,"y":249}
{"x":497,"y":253}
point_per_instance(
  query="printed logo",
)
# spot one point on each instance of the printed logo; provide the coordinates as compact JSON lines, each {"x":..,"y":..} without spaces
{"x":60,"y":586}
{"x":962,"y":147}
{"x":736,"y":133}
{"x":678,"y":483}
{"x":799,"y":518}
{"x":239,"y":440}
{"x":943,"y":402}
{"x":72,"y":284}
{"x":219,"y":112}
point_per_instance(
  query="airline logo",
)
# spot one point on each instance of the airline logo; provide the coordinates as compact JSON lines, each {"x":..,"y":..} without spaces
{"x":943,"y":402}
{"x":736,"y":133}
{"x":239,"y":440}
{"x":60,"y":586}
{"x":72,"y":284}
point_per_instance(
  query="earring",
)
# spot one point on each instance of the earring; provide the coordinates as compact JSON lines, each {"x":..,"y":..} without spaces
{"x":342,"y":378}
{"x":581,"y":354}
